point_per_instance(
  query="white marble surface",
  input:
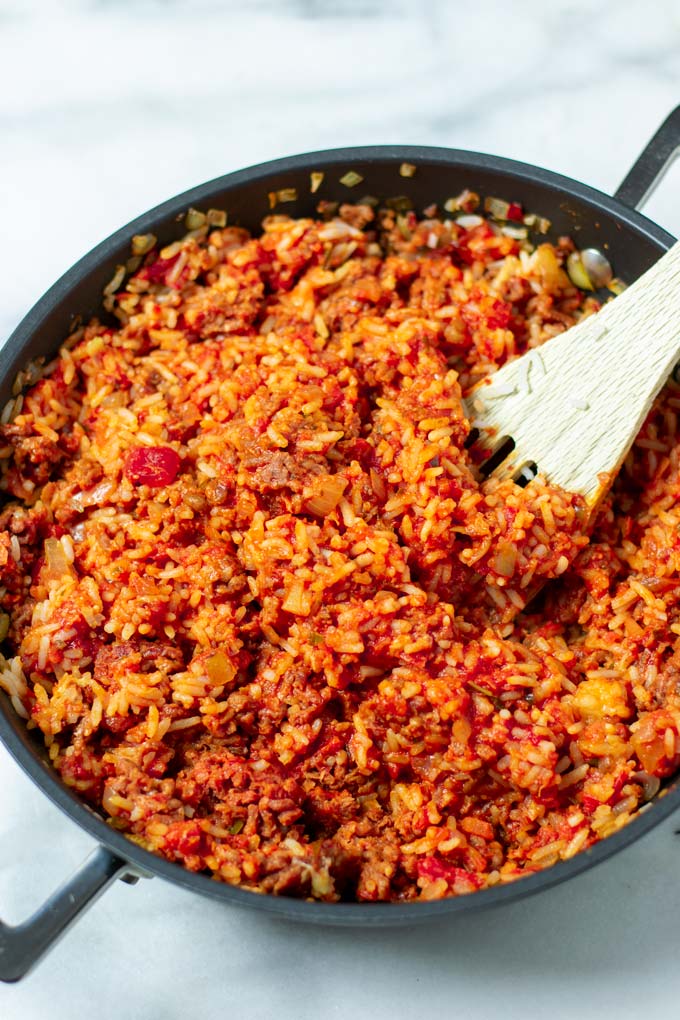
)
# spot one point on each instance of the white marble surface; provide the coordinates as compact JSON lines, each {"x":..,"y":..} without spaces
{"x":107,"y":107}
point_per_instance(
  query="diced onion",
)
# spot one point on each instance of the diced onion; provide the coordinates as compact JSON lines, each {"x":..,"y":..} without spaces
{"x":466,"y":201}
{"x":321,"y":503}
{"x":194,"y":219}
{"x":219,"y":669}
{"x":468,"y":222}
{"x":517,"y":233}
{"x":216,"y":217}
{"x":115,"y":281}
{"x":505,"y":560}
{"x":55,"y":557}
{"x":143,"y":243}
{"x":497,"y":207}
{"x":282,"y":195}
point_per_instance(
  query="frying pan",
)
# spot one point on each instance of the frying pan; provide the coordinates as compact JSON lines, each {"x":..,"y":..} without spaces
{"x":593,"y":219}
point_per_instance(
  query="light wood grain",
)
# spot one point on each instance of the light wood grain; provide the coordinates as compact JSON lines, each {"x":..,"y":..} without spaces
{"x":575,"y":405}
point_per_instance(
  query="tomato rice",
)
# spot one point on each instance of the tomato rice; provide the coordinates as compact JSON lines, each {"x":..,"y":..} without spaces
{"x":266,"y":614}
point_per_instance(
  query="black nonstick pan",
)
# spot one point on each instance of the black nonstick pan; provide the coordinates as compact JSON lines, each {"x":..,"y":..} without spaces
{"x":632,"y":243}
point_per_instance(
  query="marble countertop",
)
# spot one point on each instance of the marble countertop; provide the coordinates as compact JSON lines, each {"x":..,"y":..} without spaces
{"x":106,"y":108}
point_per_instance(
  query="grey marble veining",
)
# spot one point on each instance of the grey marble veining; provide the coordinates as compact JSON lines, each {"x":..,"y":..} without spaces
{"x":106,"y":108}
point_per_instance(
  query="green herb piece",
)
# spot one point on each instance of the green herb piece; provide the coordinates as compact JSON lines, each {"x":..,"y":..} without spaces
{"x":351,"y":179}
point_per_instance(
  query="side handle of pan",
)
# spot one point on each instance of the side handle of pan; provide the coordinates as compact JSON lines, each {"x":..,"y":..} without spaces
{"x":23,"y":945}
{"x":652,"y":163}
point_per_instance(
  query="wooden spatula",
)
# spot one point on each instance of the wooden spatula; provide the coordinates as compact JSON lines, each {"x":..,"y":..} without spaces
{"x":574,"y":406}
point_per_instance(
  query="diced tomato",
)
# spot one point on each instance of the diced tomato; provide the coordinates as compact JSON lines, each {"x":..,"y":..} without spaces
{"x":590,"y":804}
{"x":619,"y":784}
{"x":156,"y":272}
{"x":482,"y":311}
{"x":432,"y":868}
{"x":152,"y":465}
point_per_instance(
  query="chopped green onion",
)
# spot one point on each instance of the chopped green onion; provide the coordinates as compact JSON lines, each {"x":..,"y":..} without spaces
{"x":407,"y":169}
{"x":237,"y":826}
{"x":351,"y":179}
{"x":316,"y":180}
{"x":399,"y":203}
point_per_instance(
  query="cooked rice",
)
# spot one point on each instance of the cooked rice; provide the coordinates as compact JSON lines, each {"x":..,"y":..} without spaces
{"x":264,"y":613}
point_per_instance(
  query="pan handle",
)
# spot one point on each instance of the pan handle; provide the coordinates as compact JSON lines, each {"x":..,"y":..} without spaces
{"x":652,"y":163}
{"x":23,"y":945}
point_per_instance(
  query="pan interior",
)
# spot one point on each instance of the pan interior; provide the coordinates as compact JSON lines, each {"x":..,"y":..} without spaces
{"x":631,"y":243}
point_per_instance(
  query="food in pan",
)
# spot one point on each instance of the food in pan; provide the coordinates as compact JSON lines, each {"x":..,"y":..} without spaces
{"x":264,"y":610}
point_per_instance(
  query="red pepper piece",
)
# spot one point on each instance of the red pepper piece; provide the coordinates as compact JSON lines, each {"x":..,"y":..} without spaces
{"x":515,"y":212}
